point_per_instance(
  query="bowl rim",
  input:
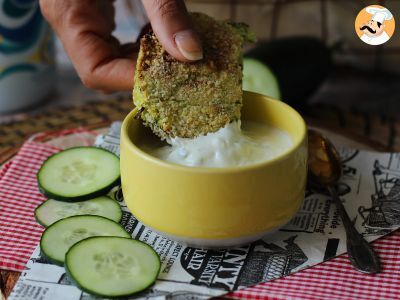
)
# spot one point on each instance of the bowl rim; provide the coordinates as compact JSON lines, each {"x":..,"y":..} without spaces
{"x":212,"y":170}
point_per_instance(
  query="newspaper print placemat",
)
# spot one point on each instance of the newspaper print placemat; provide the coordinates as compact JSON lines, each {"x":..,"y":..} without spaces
{"x":370,"y":189}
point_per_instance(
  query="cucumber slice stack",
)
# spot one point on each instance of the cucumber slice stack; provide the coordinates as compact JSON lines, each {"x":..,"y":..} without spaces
{"x":77,"y":180}
{"x":100,"y":256}
{"x":59,"y":237}
{"x":82,"y":232}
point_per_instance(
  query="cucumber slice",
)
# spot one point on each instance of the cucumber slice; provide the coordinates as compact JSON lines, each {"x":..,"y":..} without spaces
{"x":51,"y":210}
{"x":78,"y":174}
{"x":258,"y":78}
{"x":59,"y":237}
{"x":112,"y":266}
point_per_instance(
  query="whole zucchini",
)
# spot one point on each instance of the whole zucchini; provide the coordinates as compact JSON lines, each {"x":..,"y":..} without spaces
{"x":300,"y":65}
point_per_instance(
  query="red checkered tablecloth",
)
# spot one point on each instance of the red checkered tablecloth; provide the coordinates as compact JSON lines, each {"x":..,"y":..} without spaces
{"x":334,"y":279}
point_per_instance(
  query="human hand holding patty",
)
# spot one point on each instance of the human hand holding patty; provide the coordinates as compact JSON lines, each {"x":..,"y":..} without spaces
{"x":85,"y":30}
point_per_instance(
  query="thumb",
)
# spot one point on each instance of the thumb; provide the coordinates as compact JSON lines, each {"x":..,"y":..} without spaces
{"x":172,"y":26}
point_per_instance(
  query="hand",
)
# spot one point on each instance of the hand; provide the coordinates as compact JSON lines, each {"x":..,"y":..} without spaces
{"x":85,"y":30}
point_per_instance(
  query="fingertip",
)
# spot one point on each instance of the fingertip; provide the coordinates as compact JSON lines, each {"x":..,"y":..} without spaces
{"x":189,"y":45}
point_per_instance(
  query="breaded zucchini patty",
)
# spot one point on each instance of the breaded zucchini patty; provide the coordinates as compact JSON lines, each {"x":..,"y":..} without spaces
{"x":178,"y":99}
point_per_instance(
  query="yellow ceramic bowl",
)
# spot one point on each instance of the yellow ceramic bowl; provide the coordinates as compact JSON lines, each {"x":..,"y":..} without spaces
{"x":216,"y":207}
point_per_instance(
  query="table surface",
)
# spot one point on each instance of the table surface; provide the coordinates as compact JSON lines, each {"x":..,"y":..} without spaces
{"x":9,"y":278}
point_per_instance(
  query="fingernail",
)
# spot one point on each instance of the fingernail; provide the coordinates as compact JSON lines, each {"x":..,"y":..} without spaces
{"x":189,"y":45}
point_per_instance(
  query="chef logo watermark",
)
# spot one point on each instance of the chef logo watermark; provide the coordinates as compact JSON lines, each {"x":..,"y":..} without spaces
{"x":375,"y":25}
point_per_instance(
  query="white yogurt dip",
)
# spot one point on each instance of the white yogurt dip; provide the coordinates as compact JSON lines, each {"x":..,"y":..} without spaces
{"x":237,"y":144}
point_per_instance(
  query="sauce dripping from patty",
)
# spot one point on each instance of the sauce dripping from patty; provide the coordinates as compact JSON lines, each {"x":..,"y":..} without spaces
{"x":236,"y":144}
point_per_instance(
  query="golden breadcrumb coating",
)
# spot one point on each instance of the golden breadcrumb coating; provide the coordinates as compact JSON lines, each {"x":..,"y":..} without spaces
{"x":179,"y":99}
